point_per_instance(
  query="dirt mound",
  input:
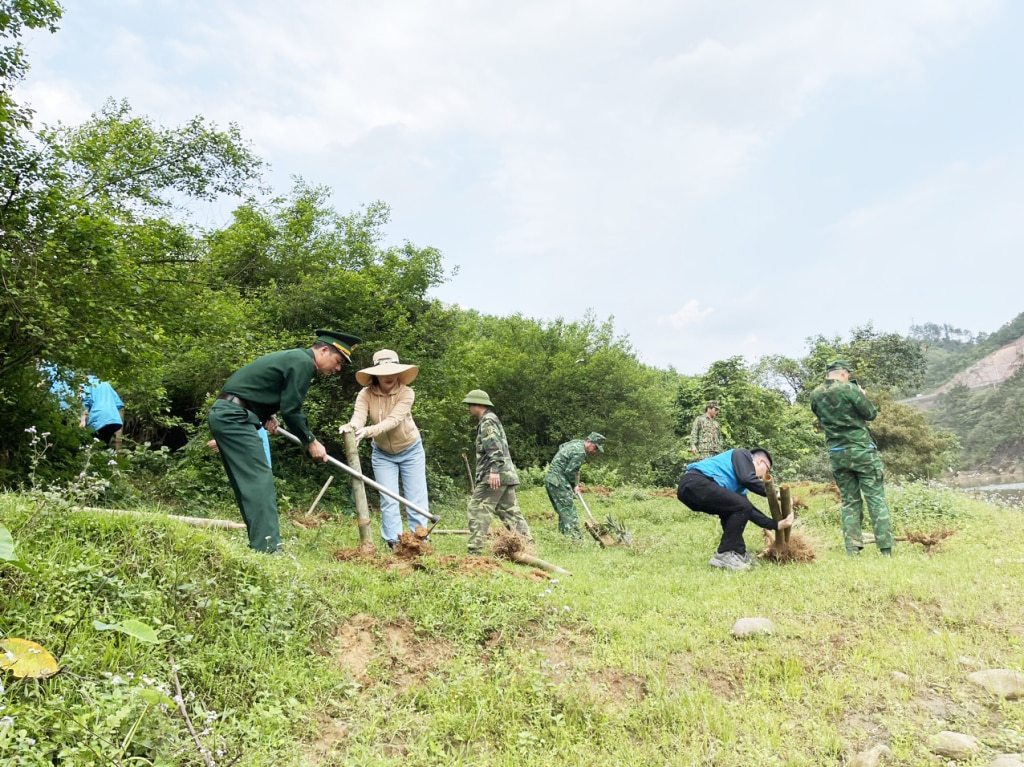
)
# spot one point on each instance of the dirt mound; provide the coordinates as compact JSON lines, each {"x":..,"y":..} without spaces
{"x":413,"y":545}
{"x":927,"y":539}
{"x":507,"y":544}
{"x":800,"y":548}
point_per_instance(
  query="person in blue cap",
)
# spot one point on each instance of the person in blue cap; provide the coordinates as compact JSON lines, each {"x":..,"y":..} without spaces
{"x":251,"y":397}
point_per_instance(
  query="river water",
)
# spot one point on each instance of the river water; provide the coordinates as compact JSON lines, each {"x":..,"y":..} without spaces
{"x":1009,"y":492}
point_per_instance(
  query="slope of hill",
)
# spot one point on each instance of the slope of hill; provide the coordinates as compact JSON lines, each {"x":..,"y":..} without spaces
{"x":989,"y":372}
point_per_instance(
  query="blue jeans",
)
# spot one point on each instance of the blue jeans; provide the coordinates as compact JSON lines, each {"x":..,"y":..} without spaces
{"x":411,"y":467}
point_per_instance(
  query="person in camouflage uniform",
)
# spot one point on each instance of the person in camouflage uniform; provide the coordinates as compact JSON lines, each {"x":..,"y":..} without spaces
{"x":706,"y":434}
{"x":496,"y":476}
{"x":563,"y":478}
{"x":843,"y":410}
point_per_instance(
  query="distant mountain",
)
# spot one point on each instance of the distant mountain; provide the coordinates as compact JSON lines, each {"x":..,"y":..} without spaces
{"x":957,"y":357}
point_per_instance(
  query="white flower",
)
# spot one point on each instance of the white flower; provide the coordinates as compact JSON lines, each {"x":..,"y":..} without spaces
{"x":111,"y":462}
{"x":31,"y":430}
{"x":6,"y":721}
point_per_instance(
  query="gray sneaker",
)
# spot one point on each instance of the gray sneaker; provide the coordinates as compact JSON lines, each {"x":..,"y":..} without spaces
{"x":730,"y":560}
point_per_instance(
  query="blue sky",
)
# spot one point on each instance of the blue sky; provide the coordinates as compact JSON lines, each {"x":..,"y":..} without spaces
{"x":723,"y":178}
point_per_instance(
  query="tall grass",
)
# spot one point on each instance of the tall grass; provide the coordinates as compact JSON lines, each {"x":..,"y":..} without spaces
{"x":305,"y":660}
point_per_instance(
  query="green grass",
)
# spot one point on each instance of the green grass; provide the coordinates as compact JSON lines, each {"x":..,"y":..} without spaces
{"x":630,"y":661}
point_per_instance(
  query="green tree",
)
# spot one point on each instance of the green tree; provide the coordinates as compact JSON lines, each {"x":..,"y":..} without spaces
{"x":908,"y":445}
{"x":96,"y":271}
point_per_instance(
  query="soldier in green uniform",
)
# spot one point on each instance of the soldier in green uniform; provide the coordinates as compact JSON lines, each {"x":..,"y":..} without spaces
{"x":706,"y":434}
{"x":843,"y":410}
{"x":563,"y":478}
{"x":496,"y":476}
{"x":250,"y":398}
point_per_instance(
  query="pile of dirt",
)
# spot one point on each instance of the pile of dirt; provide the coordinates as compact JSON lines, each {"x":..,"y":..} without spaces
{"x":365,"y":552}
{"x":927,"y":539}
{"x":413,"y":545}
{"x":799,"y":549}
{"x":508,"y":543}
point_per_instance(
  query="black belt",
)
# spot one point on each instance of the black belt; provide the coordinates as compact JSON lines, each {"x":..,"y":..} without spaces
{"x":237,"y":400}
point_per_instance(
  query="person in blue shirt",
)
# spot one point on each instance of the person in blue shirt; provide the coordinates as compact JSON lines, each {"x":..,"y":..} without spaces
{"x":718,"y":486}
{"x":103,"y":411}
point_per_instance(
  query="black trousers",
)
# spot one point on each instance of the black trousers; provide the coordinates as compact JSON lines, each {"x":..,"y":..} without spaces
{"x":733,"y":510}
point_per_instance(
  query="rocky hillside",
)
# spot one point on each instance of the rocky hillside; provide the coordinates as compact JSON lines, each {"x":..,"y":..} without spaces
{"x":987,"y":373}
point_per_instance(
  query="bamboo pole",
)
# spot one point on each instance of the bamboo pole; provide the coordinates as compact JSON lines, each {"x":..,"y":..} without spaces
{"x":529,"y":559}
{"x":219,"y":524}
{"x":320,"y":495}
{"x":358,"y":489}
{"x":786,"y":494}
{"x":469,"y":471}
{"x":435,"y":531}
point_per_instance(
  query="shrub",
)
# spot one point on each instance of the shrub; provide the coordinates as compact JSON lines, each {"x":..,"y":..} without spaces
{"x":925,"y":506}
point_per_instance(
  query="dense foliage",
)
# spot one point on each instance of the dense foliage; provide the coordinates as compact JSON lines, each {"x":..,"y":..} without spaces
{"x":105,"y":273}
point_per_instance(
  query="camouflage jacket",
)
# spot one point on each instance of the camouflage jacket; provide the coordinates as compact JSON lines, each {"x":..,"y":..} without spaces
{"x":843,"y":411}
{"x":706,"y":436}
{"x":567,"y":463}
{"x":492,"y":451}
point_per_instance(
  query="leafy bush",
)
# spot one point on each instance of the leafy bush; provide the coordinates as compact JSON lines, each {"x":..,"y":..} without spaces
{"x":925,"y":506}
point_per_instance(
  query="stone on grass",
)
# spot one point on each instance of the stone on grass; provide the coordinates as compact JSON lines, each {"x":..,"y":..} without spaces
{"x":1000,"y":681}
{"x":898,"y":677}
{"x":748,"y":627}
{"x":955,"y":745}
{"x":870,"y":758}
{"x":1006,"y":760}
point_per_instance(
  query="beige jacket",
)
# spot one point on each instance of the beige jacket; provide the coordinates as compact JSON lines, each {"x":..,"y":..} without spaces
{"x":393,"y":429}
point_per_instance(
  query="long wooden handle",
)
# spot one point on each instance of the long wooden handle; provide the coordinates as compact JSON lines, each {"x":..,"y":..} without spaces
{"x":375,"y":485}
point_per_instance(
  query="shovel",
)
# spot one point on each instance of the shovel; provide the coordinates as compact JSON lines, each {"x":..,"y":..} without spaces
{"x":375,"y":485}
{"x":602,"y":532}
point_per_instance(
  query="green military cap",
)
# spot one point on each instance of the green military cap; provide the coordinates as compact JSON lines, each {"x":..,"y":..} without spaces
{"x":477,"y":397}
{"x":711,"y":404}
{"x":597,"y":439}
{"x":838,"y":365}
{"x":343,"y":342}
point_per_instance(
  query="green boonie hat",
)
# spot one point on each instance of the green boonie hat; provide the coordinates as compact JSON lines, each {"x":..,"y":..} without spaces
{"x":477,"y":397}
{"x":597,"y":439}
{"x":711,"y":404}
{"x":343,"y":342}
{"x":838,"y":365}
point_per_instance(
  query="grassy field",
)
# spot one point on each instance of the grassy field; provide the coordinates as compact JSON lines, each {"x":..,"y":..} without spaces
{"x":309,"y":660}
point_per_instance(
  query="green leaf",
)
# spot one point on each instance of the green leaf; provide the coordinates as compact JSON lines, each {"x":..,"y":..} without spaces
{"x":7,"y":550}
{"x":155,"y":697}
{"x":131,"y":627}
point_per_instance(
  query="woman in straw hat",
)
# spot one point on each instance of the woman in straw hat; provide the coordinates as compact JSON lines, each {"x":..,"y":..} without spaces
{"x":386,"y":400}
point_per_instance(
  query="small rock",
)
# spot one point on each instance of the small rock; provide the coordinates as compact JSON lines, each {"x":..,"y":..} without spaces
{"x":898,"y":677}
{"x":969,"y":662}
{"x":748,"y":627}
{"x":1006,"y":760}
{"x":955,"y":745}
{"x":1000,"y":681}
{"x":871,"y":758}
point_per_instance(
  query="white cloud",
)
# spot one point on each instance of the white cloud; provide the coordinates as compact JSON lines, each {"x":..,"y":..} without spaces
{"x":690,"y":314}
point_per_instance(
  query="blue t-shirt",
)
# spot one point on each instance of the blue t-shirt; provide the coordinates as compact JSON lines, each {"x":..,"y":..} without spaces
{"x":103,"y":404}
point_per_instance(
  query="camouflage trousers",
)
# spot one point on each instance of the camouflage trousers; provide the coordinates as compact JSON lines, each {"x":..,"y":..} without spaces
{"x":503,"y":504}
{"x":564,"y":501}
{"x":858,"y":473}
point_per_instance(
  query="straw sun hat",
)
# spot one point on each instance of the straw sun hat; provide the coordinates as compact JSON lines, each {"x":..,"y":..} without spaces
{"x":385,"y":363}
